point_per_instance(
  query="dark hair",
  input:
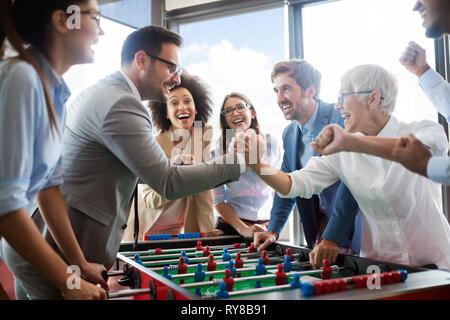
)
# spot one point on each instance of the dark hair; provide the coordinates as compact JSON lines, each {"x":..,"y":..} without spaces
{"x":303,"y":72}
{"x":27,"y":22}
{"x":223,"y":122}
{"x":149,"y":39}
{"x":202,"y":99}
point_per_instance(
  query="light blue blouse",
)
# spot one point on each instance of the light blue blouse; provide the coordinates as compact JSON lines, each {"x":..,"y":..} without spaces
{"x":30,"y":151}
{"x":249,"y":194}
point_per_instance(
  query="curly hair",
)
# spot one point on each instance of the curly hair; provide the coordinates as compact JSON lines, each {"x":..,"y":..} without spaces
{"x":202,"y":100}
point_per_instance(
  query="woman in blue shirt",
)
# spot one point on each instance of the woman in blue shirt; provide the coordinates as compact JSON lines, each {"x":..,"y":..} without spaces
{"x":241,"y":203}
{"x":32,"y":116}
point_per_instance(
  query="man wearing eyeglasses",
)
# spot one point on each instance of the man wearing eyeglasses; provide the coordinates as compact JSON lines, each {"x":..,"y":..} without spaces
{"x":297,"y":84}
{"x":108,"y":146}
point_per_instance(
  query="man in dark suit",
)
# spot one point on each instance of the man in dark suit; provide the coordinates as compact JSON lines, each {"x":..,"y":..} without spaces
{"x":297,"y":85}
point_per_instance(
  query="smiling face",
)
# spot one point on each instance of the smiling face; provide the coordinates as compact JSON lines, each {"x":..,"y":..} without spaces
{"x":79,"y":42}
{"x":181,"y":109}
{"x":355,"y":113}
{"x":291,"y":98}
{"x":155,"y":81}
{"x":238,"y":120}
{"x":435,"y":16}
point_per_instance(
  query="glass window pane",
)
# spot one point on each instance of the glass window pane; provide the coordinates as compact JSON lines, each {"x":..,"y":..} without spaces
{"x":107,"y":58}
{"x":340,"y":35}
{"x":236,"y":53}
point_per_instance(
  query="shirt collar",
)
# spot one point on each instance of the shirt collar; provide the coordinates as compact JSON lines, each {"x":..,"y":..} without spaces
{"x":132,"y":86}
{"x":309,"y":125}
{"x":53,"y":81}
{"x":390,"y":129}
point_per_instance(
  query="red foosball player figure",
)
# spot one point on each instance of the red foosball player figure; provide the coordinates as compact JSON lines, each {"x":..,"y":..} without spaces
{"x":199,"y":246}
{"x":182,"y":268}
{"x":265,"y":258}
{"x":229,"y":281}
{"x":326,"y":274}
{"x":252,"y":248}
{"x":238,"y":263}
{"x":206,"y":252}
{"x":280,"y":276}
{"x":288,"y":253}
{"x":211,"y":266}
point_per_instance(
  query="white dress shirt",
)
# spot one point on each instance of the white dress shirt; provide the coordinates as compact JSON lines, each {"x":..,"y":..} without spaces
{"x":401,"y":213}
{"x":438,"y":91}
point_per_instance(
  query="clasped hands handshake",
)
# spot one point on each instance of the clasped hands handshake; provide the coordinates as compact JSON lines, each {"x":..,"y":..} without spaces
{"x":251,"y":145}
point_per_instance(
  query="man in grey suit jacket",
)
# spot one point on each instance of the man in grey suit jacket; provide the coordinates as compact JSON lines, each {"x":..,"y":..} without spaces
{"x":108,"y":146}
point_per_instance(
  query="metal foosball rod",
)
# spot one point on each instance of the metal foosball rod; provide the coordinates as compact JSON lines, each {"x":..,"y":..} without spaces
{"x":216,"y":282}
{"x":174,"y":266}
{"x":195,"y":254}
{"x":214,"y":253}
{"x":178,"y":250}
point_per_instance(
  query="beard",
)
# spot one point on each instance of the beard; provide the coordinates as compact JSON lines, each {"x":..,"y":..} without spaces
{"x":434,"y":31}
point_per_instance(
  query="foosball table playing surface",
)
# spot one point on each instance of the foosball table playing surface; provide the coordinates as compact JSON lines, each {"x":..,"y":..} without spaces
{"x":229,"y":267}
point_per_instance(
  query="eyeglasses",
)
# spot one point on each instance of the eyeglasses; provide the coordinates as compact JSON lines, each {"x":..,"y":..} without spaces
{"x":240,"y":108}
{"x":96,"y":15}
{"x":173,"y":67}
{"x":340,"y":101}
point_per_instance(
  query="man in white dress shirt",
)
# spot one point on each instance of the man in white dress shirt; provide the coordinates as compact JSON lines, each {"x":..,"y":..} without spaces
{"x":401,"y":214}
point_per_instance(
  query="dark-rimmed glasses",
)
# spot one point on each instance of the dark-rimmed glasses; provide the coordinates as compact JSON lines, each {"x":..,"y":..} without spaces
{"x":240,"y":108}
{"x":173,"y":67}
{"x":96,"y":15}
{"x":340,"y":100}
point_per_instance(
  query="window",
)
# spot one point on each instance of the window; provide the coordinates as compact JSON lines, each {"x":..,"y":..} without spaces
{"x":107,"y":59}
{"x":236,"y":54}
{"x":340,"y":35}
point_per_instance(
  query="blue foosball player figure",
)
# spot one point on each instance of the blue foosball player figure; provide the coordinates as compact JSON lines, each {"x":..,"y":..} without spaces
{"x":287,"y":264}
{"x":199,"y":276}
{"x":186,"y":259}
{"x":226,"y":256}
{"x":232,"y":268}
{"x":137,"y":258}
{"x":222,"y":293}
{"x":260,"y":269}
{"x":296,"y":284}
{"x":166,"y":273}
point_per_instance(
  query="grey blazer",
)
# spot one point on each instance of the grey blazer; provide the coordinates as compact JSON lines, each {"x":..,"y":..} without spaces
{"x":108,"y":145}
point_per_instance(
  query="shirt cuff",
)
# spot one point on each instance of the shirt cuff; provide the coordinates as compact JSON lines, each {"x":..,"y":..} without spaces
{"x":13,"y":195}
{"x":430,"y":79}
{"x":438,"y":169}
{"x":293,"y":191}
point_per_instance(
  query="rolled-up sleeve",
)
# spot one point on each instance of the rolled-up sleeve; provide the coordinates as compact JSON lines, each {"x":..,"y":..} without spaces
{"x":19,"y":115}
{"x":437,"y":90}
{"x":316,"y":176}
{"x":438,"y":169}
{"x":219,"y":195}
{"x":57,"y":178}
{"x":432,"y":135}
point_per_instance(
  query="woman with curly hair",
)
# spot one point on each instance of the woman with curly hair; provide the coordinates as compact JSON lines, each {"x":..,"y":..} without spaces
{"x":185,"y":138}
{"x":240,"y":203}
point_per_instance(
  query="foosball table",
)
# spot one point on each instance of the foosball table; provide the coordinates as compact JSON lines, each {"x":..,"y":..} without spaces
{"x":229,"y":267}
